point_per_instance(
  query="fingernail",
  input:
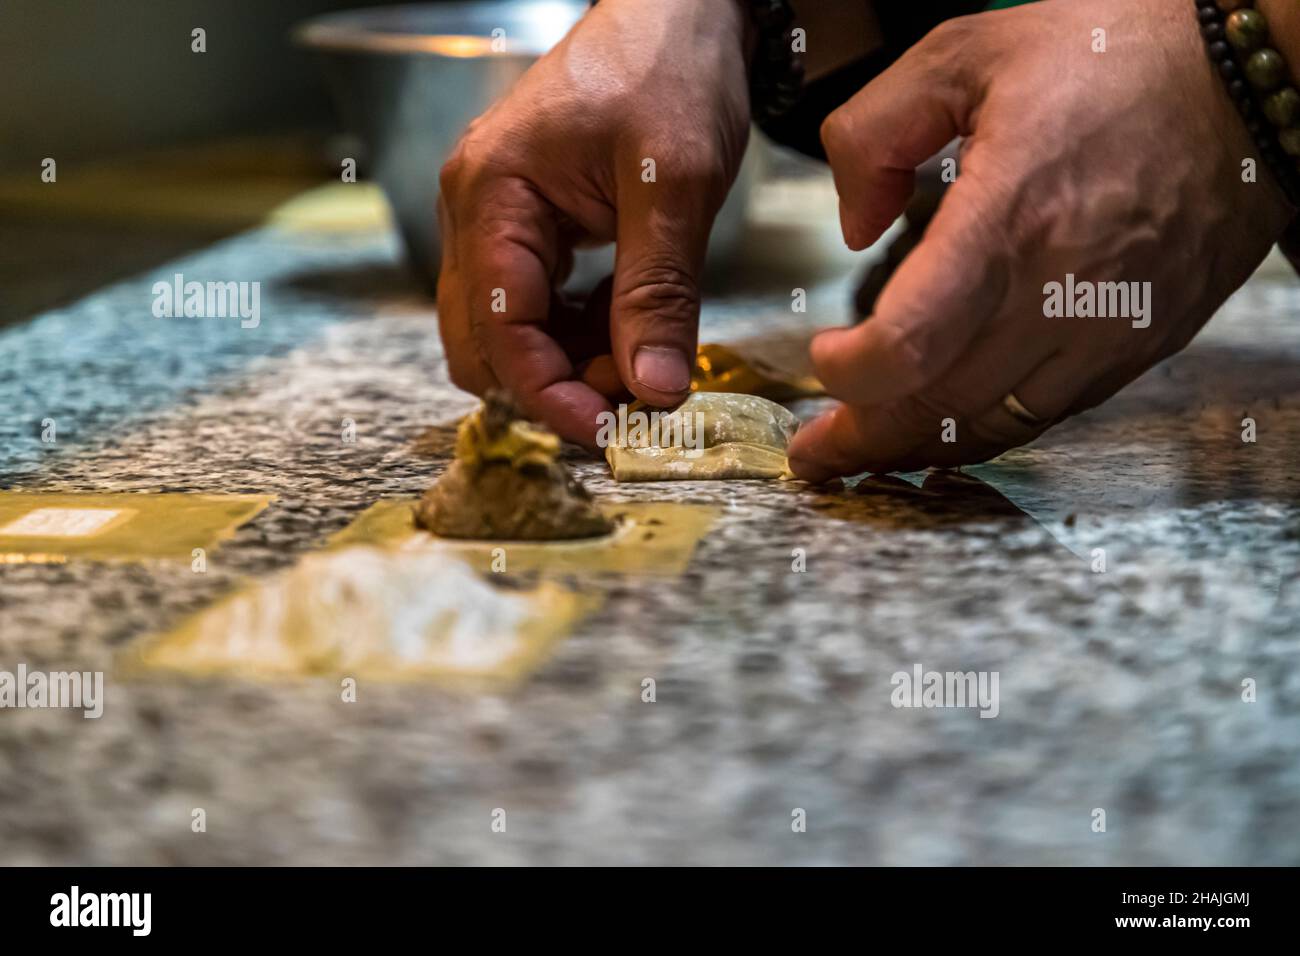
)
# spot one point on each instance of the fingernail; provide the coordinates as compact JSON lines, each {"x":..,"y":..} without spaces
{"x":661,"y":368}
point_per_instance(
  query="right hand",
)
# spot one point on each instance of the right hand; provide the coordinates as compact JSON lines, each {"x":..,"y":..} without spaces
{"x":559,"y":162}
{"x":1124,"y":169}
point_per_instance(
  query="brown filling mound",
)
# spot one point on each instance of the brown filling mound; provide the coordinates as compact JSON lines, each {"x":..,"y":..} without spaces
{"x":506,"y":483}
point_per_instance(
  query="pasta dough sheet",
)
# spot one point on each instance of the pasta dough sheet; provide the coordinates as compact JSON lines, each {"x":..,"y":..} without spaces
{"x":652,"y":538}
{"x":367,"y":612}
{"x":54,"y":528}
{"x":713,"y":436}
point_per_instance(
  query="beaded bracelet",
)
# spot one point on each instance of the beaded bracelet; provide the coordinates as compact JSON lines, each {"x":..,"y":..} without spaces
{"x":776,"y":78}
{"x":1237,"y":38}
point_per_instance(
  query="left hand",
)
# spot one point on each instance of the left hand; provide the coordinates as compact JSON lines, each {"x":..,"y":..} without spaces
{"x":1118,"y":166}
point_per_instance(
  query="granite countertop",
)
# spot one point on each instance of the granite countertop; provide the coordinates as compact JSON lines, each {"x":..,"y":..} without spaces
{"x":1119,"y":690}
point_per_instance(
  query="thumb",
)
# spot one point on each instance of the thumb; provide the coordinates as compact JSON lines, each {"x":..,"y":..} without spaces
{"x":876,"y":140}
{"x":937,"y":302}
{"x":663,"y":232}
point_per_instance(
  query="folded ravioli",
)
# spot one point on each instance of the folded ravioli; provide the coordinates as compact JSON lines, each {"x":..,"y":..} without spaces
{"x":710,"y":436}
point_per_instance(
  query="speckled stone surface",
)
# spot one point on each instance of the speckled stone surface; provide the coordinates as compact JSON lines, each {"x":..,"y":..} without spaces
{"x":1118,"y":690}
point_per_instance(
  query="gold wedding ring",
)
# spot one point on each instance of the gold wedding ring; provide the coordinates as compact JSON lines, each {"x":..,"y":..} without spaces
{"x":1016,"y":409}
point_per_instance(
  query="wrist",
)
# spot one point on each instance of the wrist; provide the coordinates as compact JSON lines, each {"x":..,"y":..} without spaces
{"x":712,"y":19}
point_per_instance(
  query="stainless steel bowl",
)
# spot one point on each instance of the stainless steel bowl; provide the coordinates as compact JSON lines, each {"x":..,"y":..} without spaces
{"x":408,"y":79}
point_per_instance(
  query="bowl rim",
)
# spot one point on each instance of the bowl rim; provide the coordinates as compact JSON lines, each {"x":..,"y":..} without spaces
{"x":353,"y":30}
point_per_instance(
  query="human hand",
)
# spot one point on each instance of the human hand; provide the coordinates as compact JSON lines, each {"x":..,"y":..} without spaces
{"x":564,"y":160}
{"x":1118,"y":166}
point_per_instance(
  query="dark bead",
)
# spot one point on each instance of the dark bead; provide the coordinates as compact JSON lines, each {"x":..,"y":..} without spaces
{"x":773,"y":16}
{"x":1247,"y":30}
{"x":1212,"y":31}
{"x":1283,"y":107}
{"x":1228,"y":70}
{"x":1254,"y":127}
{"x":1265,"y":69}
{"x":1289,"y":140}
{"x":1246,"y":107}
{"x":1237,"y":89}
{"x":1219,"y":51}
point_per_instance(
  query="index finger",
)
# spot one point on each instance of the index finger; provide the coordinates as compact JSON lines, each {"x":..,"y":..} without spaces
{"x":506,"y":254}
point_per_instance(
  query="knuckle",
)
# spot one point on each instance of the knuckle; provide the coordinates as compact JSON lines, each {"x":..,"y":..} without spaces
{"x":662,"y":287}
{"x":835,"y":131}
{"x":911,"y":356}
{"x":475,"y":125}
{"x":951,"y":35}
{"x":700,"y":167}
{"x":953,"y":55}
{"x":453,"y":170}
{"x":470,"y":158}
